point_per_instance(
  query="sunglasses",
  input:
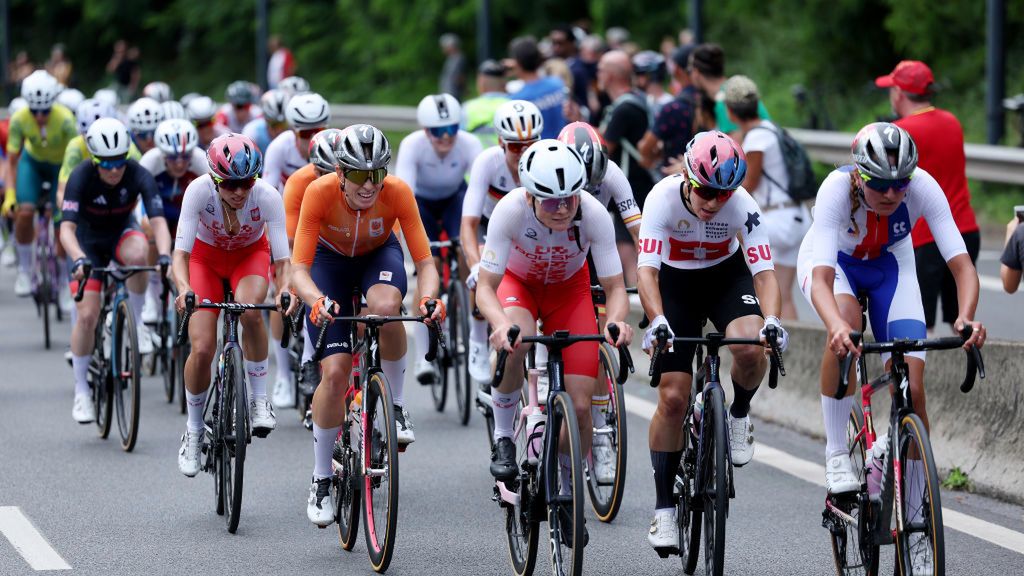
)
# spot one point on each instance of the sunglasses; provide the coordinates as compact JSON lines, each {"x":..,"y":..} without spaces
{"x":41,"y":112}
{"x":200,"y":124}
{"x":148,"y":135}
{"x":518,"y":147}
{"x":882,"y":185}
{"x":235,"y":184}
{"x":110,"y":163}
{"x":553,"y":205}
{"x":442,"y":131}
{"x":308,"y":133}
{"x":278,"y":125}
{"x":710,"y":194}
{"x":359,"y":177}
{"x":176,"y":157}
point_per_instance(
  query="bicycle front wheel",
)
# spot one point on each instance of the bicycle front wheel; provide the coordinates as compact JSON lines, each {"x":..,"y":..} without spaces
{"x":852,"y":554}
{"x":920,"y":545}
{"x":714,"y":488}
{"x":346,"y":486}
{"x":234,"y":423}
{"x":565,"y":505}
{"x":380,"y":472}
{"x":606,"y":494}
{"x":126,"y":376}
{"x":458,"y":348}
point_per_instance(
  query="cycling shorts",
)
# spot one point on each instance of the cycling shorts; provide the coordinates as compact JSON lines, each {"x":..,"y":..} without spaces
{"x":562,"y":306}
{"x":100,"y":250}
{"x":721,"y":293}
{"x":444,"y":214}
{"x":31,"y":175}
{"x":209,"y":267}
{"x":338,"y":276}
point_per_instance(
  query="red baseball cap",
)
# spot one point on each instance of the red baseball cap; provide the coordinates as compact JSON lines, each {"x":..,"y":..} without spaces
{"x":910,"y":76}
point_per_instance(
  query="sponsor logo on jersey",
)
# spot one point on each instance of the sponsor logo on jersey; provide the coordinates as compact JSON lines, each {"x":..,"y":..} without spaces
{"x":511,"y":299}
{"x":753,"y":221}
{"x":385,"y":275}
{"x":338,"y":345}
{"x":124,"y":194}
{"x":531,"y":233}
{"x":254,"y":214}
{"x":695,"y":250}
{"x":759,"y":252}
{"x":209,"y":208}
{"x":70,"y":206}
{"x":489,"y":255}
{"x":683,"y":225}
{"x":101,"y":200}
{"x":376,"y":227}
{"x":650,"y":246}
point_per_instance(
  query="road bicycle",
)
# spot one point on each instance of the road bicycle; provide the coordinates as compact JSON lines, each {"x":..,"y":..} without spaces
{"x":45,"y":285}
{"x":452,"y":364}
{"x":704,"y":480}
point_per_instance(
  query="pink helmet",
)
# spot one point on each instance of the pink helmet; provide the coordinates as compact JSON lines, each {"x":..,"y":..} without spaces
{"x":714,"y":160}
{"x":234,"y":157}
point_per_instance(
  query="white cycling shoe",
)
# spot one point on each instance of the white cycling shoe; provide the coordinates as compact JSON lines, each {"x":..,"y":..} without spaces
{"x":741,"y":440}
{"x":839,"y":475}
{"x":145,"y":339}
{"x":188,"y":454}
{"x":150,"y":310}
{"x":664,"y":533}
{"x":284,"y":393}
{"x":64,"y":300}
{"x":403,"y":426}
{"x":604,"y":459}
{"x":83,"y":411}
{"x":479,"y":362}
{"x":426,"y":373}
{"x":22,"y":285}
{"x":262,"y":415}
{"x":320,"y":504}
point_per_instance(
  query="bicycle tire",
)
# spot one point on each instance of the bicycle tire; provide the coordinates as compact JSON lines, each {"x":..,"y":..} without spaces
{"x":913,"y":437}
{"x":379,"y":452}
{"x":606,"y":499}
{"x":346,"y":487}
{"x":714,"y":473}
{"x":212,"y":441}
{"x":102,"y":396}
{"x":234,"y":436}
{"x":126,"y":376}
{"x":439,"y":382}
{"x":565,"y":560}
{"x":43,"y":290}
{"x":522,"y":522}
{"x":166,"y":357}
{"x":688,"y":516}
{"x":850,"y":552}
{"x":458,"y":348}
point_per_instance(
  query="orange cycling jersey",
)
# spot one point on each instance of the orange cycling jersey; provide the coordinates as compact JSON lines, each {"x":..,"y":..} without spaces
{"x":294,"y":190}
{"x":327,"y":220}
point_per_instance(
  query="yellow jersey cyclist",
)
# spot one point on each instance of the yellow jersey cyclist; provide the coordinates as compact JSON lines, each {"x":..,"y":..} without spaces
{"x":36,"y":140}
{"x":344,"y":240}
{"x":705,"y":255}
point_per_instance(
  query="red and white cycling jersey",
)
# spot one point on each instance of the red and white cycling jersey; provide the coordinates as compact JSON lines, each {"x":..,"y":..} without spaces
{"x":518,"y":242}
{"x":671,"y":234}
{"x":281,"y":158}
{"x":489,"y":181}
{"x":202,"y":217}
{"x":616,"y":188}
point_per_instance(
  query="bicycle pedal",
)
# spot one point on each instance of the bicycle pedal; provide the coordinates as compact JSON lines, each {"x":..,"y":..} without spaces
{"x":261,"y":432}
{"x":666,"y":551}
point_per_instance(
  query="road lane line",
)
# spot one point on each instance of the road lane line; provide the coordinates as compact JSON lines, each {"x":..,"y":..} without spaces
{"x":990,"y":283}
{"x":32,"y":545}
{"x":815,"y":474}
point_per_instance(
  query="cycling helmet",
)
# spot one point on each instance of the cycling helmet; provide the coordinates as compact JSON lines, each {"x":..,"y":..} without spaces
{"x":714,"y":160}
{"x":587,"y":142}
{"x":234,"y":156}
{"x":174,"y":110}
{"x":876,"y":142}
{"x":438,"y":110}
{"x":362,"y":147}
{"x":239,"y":93}
{"x":518,"y":121}
{"x":15,"y":105}
{"x":551,"y":169}
{"x":273,"y":103}
{"x":108,"y":96}
{"x":91,"y":110}
{"x":71,"y":98}
{"x":188,"y":98}
{"x":321,"y":149}
{"x":158,"y":91}
{"x":201,"y":109}
{"x":107,"y":138}
{"x":307,"y":111}
{"x":40,"y":89}
{"x":144,"y":115}
{"x":176,"y":137}
{"x":649,"y":63}
{"x":293,"y":85}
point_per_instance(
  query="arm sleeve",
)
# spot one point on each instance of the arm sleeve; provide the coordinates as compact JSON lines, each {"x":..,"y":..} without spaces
{"x":272,"y":207}
{"x":494,"y":255}
{"x":935,"y":210}
{"x":476,"y":191}
{"x":308,"y":230}
{"x":405,"y":168}
{"x":188,"y":221}
{"x":652,"y":228}
{"x":151,"y":199}
{"x":408,"y":213}
{"x":599,"y":228}
{"x":72,"y":158}
{"x":757,"y":249}
{"x":622,"y":194}
{"x":73,"y":194}
{"x":831,"y":213}
{"x":273,"y":165}
{"x":1012,"y":253}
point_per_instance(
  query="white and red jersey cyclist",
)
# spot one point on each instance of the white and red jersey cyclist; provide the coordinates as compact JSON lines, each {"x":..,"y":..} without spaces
{"x":202,"y":218}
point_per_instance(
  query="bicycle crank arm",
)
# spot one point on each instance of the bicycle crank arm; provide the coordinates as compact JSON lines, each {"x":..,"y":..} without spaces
{"x":505,"y":496}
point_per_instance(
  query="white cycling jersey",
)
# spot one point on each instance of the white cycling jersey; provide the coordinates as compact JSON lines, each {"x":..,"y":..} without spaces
{"x":616,"y":187}
{"x":228,"y":112}
{"x":153,"y":161}
{"x":518,"y":242}
{"x":489,"y":181}
{"x":281,"y":159}
{"x":430,"y":176}
{"x":202,"y":217}
{"x":671,"y":234}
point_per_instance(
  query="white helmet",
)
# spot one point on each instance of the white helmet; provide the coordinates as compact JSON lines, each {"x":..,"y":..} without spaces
{"x":91,"y":110}
{"x":201,"y":109}
{"x":71,"y":98}
{"x":293,"y":85}
{"x":107,"y":137}
{"x":15,"y":105}
{"x":108,"y":96}
{"x":438,"y":110}
{"x":158,"y":91}
{"x":307,"y":111}
{"x":518,"y":121}
{"x":188,"y":98}
{"x":144,"y":115}
{"x":273,"y":104}
{"x":551,"y":169}
{"x":40,"y":89}
{"x":176,"y":136}
{"x":173,"y":110}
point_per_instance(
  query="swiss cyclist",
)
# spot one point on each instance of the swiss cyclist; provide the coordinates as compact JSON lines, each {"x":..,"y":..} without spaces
{"x":434,"y":162}
{"x":98,"y":227}
{"x":144,"y":115}
{"x":272,"y":123}
{"x":494,"y":173}
{"x":704,"y":256}
{"x":344,"y":241}
{"x":241,"y":108}
{"x":202,"y":111}
{"x":226,"y":219}
{"x":307,"y":114}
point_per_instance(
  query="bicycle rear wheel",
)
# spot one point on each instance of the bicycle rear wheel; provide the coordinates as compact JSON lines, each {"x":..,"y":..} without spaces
{"x":606,"y":497}
{"x":346,"y":486}
{"x":714,"y":487}
{"x":234,"y":423}
{"x":380,"y":464}
{"x":920,"y":543}
{"x":43,"y":289}
{"x":850,"y":551}
{"x":688,"y":517}
{"x":126,"y":376}
{"x":102,"y":392}
{"x":458,"y":348}
{"x":565,"y":507}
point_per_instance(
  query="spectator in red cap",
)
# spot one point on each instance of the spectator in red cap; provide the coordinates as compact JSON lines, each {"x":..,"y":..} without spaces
{"x":940,"y":145}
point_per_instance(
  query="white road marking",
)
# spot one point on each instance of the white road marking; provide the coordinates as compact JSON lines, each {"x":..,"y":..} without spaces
{"x":32,"y":545}
{"x":815,"y":474}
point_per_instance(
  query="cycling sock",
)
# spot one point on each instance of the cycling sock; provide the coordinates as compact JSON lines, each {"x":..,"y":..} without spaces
{"x":665,"y":465}
{"x":478,"y":332}
{"x":284,"y":360}
{"x":307,"y":347}
{"x":25,"y":253}
{"x":599,"y":410}
{"x":80,"y":366}
{"x":564,"y":473}
{"x":323,"y":449}
{"x":137,"y":301}
{"x":504,"y":412}
{"x":741,"y":400}
{"x":155,"y":286}
{"x":542,"y":359}
{"x":257,"y":378}
{"x":394,"y":370}
{"x":836,"y":414}
{"x":196,"y":403}
{"x":62,"y":272}
{"x":421,"y":337}
{"x":915,"y":489}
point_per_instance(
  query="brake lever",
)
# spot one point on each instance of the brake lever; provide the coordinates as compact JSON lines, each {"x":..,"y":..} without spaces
{"x":190,"y":306}
{"x":844,"y":367}
{"x":661,"y":339}
{"x":499,"y":369}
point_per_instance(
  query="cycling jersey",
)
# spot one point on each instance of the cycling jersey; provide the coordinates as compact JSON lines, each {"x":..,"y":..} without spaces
{"x":478,"y":116}
{"x":616,"y":187}
{"x":671,"y":234}
{"x":327,"y":220}
{"x":202,"y":217}
{"x":257,"y":130}
{"x":46,"y":143}
{"x":107,"y":210}
{"x":282,"y":158}
{"x":489,"y":181}
{"x":430,"y":176}
{"x":226,"y":116}
{"x":77,"y":151}
{"x":518,"y":242}
{"x":294,"y":191}
{"x":172,"y":190}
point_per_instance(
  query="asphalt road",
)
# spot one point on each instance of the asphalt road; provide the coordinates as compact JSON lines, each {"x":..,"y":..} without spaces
{"x":101,"y":511}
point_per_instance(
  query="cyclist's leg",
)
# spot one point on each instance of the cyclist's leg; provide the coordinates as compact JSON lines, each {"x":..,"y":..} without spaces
{"x":28,"y":186}
{"x":479,"y":348}
{"x":521,"y":307}
{"x":206,"y":276}
{"x":383,"y":281}
{"x":249,"y":282}
{"x":132,"y":250}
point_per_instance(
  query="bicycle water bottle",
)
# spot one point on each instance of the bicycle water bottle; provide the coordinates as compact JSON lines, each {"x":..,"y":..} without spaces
{"x":876,"y":466}
{"x":535,"y":423}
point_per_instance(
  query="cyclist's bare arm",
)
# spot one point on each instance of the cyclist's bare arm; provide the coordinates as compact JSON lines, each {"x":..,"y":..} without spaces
{"x":650,"y":291}
{"x":161,"y":233}
{"x":617,"y":305}
{"x":470,"y":246}
{"x":766,"y":286}
{"x":967,"y":288}
{"x":490,"y":307}
{"x":70,"y":240}
{"x":824,"y":300}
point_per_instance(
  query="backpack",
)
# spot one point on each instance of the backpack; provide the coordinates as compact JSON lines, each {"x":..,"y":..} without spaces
{"x":802,"y":183}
